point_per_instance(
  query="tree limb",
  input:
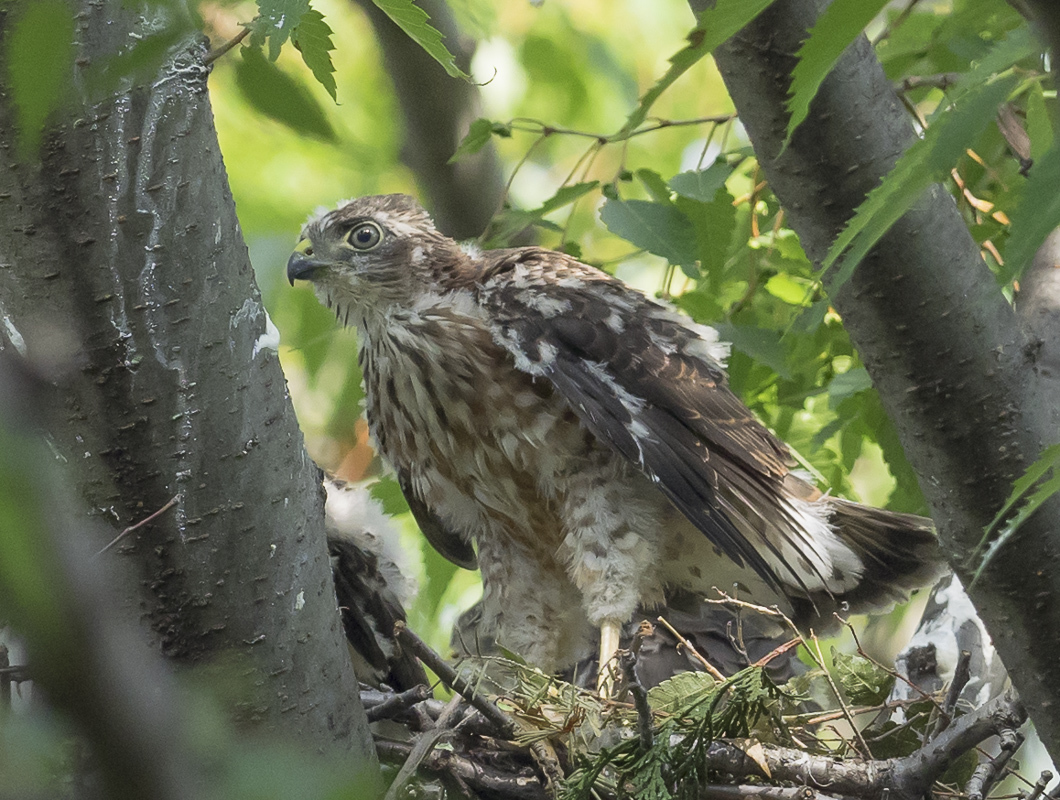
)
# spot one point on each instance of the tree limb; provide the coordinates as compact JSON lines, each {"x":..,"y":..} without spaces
{"x":950,"y":360}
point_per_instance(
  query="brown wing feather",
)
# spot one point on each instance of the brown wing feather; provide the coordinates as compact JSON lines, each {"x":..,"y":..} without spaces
{"x":641,"y":379}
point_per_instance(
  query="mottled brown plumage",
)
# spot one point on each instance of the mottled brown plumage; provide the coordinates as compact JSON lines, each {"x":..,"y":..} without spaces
{"x":582,"y":437}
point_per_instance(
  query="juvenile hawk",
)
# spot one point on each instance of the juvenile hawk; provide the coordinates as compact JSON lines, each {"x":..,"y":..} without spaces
{"x":582,"y":438}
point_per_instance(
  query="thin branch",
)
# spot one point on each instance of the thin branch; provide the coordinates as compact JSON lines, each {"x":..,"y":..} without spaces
{"x":627,"y":662}
{"x":962,"y":673}
{"x":139,"y":524}
{"x":398,"y":704}
{"x":487,"y":779}
{"x":215,"y":54}
{"x":507,"y":726}
{"x":710,"y":668}
{"x":819,"y":658}
{"x":723,"y":792}
{"x":987,"y":773}
{"x":1039,"y":788}
{"x":423,"y":748}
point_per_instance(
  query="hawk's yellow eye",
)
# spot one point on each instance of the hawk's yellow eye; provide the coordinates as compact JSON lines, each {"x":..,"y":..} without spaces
{"x":365,"y":236}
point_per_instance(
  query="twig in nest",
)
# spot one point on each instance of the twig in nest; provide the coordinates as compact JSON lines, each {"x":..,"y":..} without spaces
{"x":777,"y":652}
{"x":724,"y":792}
{"x":1039,"y":788}
{"x":627,"y":662}
{"x":962,"y":673}
{"x":898,"y":676}
{"x":508,"y":727}
{"x":485,"y":778}
{"x":423,"y":747}
{"x":987,"y":773}
{"x":710,"y":668}
{"x":818,"y":657}
{"x":398,"y":703}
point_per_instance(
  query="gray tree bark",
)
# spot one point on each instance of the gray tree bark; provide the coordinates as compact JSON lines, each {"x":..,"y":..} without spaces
{"x":123,"y":271}
{"x":955,"y":369}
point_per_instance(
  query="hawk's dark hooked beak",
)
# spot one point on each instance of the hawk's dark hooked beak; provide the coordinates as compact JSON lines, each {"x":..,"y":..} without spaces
{"x":302,"y":267}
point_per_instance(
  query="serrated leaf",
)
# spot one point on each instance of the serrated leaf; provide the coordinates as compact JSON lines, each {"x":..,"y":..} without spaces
{"x":763,"y":345}
{"x":312,"y":38}
{"x":701,"y":184}
{"x":478,"y":134}
{"x":680,"y":691}
{"x":277,"y":20}
{"x":927,"y":161}
{"x":657,"y":228}
{"x":415,"y":22}
{"x":839,"y":25}
{"x":655,"y":185}
{"x":847,"y":384}
{"x":280,"y":96}
{"x":1036,"y":215}
{"x":39,"y":61}
{"x":715,"y":25}
{"x":714,"y":223}
{"x":862,"y":682}
{"x":1048,"y":461}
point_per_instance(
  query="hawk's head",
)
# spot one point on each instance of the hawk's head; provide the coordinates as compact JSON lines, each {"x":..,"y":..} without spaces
{"x":373,"y":253}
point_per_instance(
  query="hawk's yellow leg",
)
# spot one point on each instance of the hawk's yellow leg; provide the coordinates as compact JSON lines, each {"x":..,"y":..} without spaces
{"x":610,"y":632}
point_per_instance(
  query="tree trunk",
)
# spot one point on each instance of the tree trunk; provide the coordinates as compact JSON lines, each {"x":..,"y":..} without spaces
{"x":123,"y":271}
{"x":953,"y":367}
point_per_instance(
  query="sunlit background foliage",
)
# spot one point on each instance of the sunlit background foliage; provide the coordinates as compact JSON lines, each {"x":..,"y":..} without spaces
{"x":697,"y":196}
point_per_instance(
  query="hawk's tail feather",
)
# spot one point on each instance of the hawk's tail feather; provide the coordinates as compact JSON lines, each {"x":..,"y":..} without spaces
{"x":900,"y":552}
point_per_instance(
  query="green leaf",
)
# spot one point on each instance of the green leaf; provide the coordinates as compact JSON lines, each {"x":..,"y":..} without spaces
{"x":677,"y":693}
{"x":715,"y":25}
{"x":1048,"y":461}
{"x":278,"y":95}
{"x":277,"y":20}
{"x":478,"y":134}
{"x":839,"y":25}
{"x":387,"y":491}
{"x":970,"y":107}
{"x":791,"y":289}
{"x":655,"y":185}
{"x":312,"y":38}
{"x":763,"y":345}
{"x":414,"y":21}
{"x":1035,"y":216}
{"x":847,"y":384}
{"x":714,"y":223}
{"x":658,"y":228}
{"x":925,"y":162}
{"x":862,"y":681}
{"x":39,"y":61}
{"x":513,"y":222}
{"x":702,"y":184}
{"x":1039,"y":124}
